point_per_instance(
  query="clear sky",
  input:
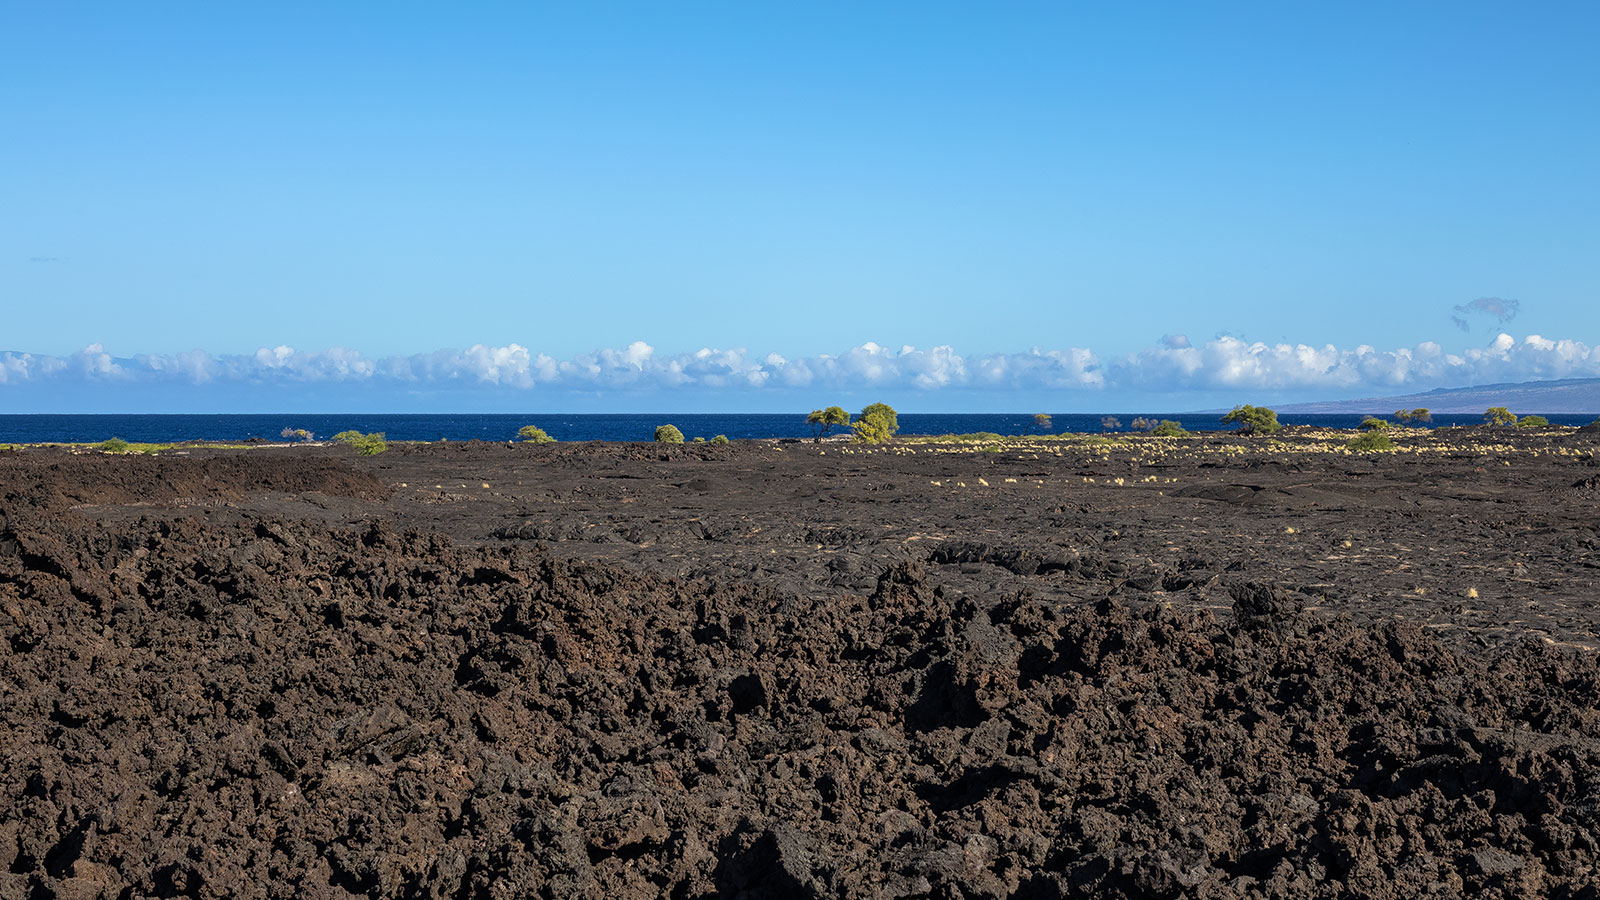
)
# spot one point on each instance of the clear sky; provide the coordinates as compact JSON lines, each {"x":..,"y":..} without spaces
{"x":559,"y":206}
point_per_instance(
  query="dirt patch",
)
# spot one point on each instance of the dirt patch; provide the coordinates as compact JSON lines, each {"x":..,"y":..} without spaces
{"x":51,"y":480}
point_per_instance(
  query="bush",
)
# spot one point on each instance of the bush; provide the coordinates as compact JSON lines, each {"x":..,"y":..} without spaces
{"x":720,"y":439}
{"x":1253,"y":419}
{"x":1373,"y":423}
{"x":1110,"y":423}
{"x":1376,"y":439}
{"x":365,"y":444}
{"x":1168,"y":428}
{"x":295,"y":434}
{"x":1420,"y":415}
{"x":699,"y":440}
{"x":825,"y":420}
{"x":1499,"y":415}
{"x":534,"y":434}
{"x":877,"y":423}
{"x":114,"y":445}
{"x":1532,"y":422}
{"x":668,"y":434}
{"x":1145,"y":423}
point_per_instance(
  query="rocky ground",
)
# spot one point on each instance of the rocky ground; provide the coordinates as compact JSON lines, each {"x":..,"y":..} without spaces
{"x":1208,"y":668}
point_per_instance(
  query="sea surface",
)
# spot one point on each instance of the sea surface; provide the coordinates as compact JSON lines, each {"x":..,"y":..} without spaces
{"x":595,"y":427}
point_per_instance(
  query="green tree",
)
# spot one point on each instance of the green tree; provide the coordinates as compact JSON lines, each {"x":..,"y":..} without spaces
{"x":114,"y":445}
{"x":1373,"y":423}
{"x":534,"y":434}
{"x":1499,"y":415}
{"x":877,"y":423}
{"x":825,"y":420}
{"x":365,"y":444}
{"x":1376,"y":439}
{"x":668,"y":434}
{"x":1421,"y":415}
{"x":1253,"y":419}
{"x":1042,"y":421}
{"x":1169,"y":428}
{"x":1532,"y":422}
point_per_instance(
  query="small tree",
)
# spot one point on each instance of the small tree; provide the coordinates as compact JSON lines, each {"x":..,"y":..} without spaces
{"x":1376,"y":439}
{"x":534,"y":435}
{"x":1499,"y":415}
{"x":1373,"y":423}
{"x":1043,"y":422}
{"x":295,"y":434}
{"x":876,"y":424}
{"x":825,"y":420}
{"x":1110,"y":423}
{"x":365,"y":444}
{"x":1532,"y":422}
{"x":1253,"y":419}
{"x":1145,"y":423}
{"x":114,"y":445}
{"x":1168,"y":428}
{"x":668,"y":434}
{"x":1421,"y":415}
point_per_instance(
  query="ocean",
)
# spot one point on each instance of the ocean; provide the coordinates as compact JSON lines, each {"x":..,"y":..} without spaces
{"x":595,"y":427}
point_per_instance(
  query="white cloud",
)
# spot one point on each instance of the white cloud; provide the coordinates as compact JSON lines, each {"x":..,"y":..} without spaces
{"x":1174,"y":364}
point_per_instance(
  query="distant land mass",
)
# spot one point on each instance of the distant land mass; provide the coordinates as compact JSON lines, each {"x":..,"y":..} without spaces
{"x":1565,"y":396}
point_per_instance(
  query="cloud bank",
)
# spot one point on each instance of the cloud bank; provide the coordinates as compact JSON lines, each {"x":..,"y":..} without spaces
{"x":1175,"y":364}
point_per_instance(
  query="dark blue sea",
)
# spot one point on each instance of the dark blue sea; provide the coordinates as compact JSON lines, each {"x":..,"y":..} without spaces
{"x":569,"y":427}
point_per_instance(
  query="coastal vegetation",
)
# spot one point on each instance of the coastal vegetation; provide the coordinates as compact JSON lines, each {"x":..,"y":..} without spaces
{"x":823,"y":421}
{"x":1372,"y":440}
{"x":1253,"y":419}
{"x":877,"y":423}
{"x":364,"y":444}
{"x":533,"y":434}
{"x":668,"y":434}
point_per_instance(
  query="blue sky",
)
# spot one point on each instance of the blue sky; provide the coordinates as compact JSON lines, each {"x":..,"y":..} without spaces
{"x":415,"y":206}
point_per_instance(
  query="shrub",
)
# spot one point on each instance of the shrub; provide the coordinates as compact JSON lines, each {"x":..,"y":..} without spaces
{"x":534,"y":434}
{"x":1168,"y":428}
{"x":1499,"y":415}
{"x":1110,"y":423}
{"x":115,"y":445}
{"x":825,"y":420}
{"x":295,"y":434}
{"x":1376,"y":439}
{"x":720,"y":439}
{"x":1145,"y":423}
{"x":365,"y":444}
{"x":1253,"y":419}
{"x":1533,"y":422}
{"x":1042,"y":421}
{"x":1419,"y":415}
{"x":699,"y":440}
{"x":877,"y":423}
{"x":1373,"y":423}
{"x":668,"y":434}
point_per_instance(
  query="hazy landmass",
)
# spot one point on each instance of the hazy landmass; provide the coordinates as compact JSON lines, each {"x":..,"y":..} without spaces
{"x":1567,"y":395}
